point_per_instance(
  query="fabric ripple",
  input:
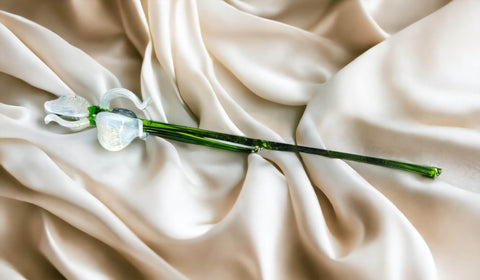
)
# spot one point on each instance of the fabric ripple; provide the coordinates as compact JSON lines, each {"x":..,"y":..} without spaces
{"x":395,"y":79}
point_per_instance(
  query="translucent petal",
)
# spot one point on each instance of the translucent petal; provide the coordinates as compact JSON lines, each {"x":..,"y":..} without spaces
{"x":73,"y":125}
{"x":116,"y":131}
{"x":69,"y":106}
{"x":113,"y":93}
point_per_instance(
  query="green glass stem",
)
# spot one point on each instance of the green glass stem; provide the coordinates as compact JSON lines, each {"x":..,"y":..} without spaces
{"x":251,"y":145}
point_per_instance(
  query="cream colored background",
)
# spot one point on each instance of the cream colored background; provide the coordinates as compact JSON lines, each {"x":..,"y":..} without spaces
{"x":391,"y":78}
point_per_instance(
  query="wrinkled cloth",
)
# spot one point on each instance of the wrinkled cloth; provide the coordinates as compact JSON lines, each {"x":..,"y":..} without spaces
{"x":388,"y":78}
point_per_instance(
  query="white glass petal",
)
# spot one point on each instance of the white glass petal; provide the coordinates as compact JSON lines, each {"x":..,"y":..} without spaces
{"x":113,"y":93}
{"x":70,"y":106}
{"x":73,"y":125}
{"x":116,"y":131}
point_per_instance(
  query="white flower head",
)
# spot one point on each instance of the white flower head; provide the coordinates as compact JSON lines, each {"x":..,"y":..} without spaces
{"x":115,"y":129}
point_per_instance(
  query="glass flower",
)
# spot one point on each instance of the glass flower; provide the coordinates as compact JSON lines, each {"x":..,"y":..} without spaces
{"x":118,"y":127}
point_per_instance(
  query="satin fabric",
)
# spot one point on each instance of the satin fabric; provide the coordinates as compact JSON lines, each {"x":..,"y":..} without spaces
{"x":387,"y":78}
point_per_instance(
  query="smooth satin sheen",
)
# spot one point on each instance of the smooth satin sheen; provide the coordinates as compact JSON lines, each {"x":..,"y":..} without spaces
{"x":389,"y":78}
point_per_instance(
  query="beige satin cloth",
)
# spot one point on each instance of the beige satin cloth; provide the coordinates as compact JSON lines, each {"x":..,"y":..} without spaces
{"x":390,"y":78}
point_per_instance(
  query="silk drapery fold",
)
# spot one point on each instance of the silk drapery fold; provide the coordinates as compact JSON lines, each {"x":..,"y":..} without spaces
{"x":396,"y":79}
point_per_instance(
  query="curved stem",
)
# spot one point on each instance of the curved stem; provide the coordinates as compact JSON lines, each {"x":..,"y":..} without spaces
{"x":199,"y":136}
